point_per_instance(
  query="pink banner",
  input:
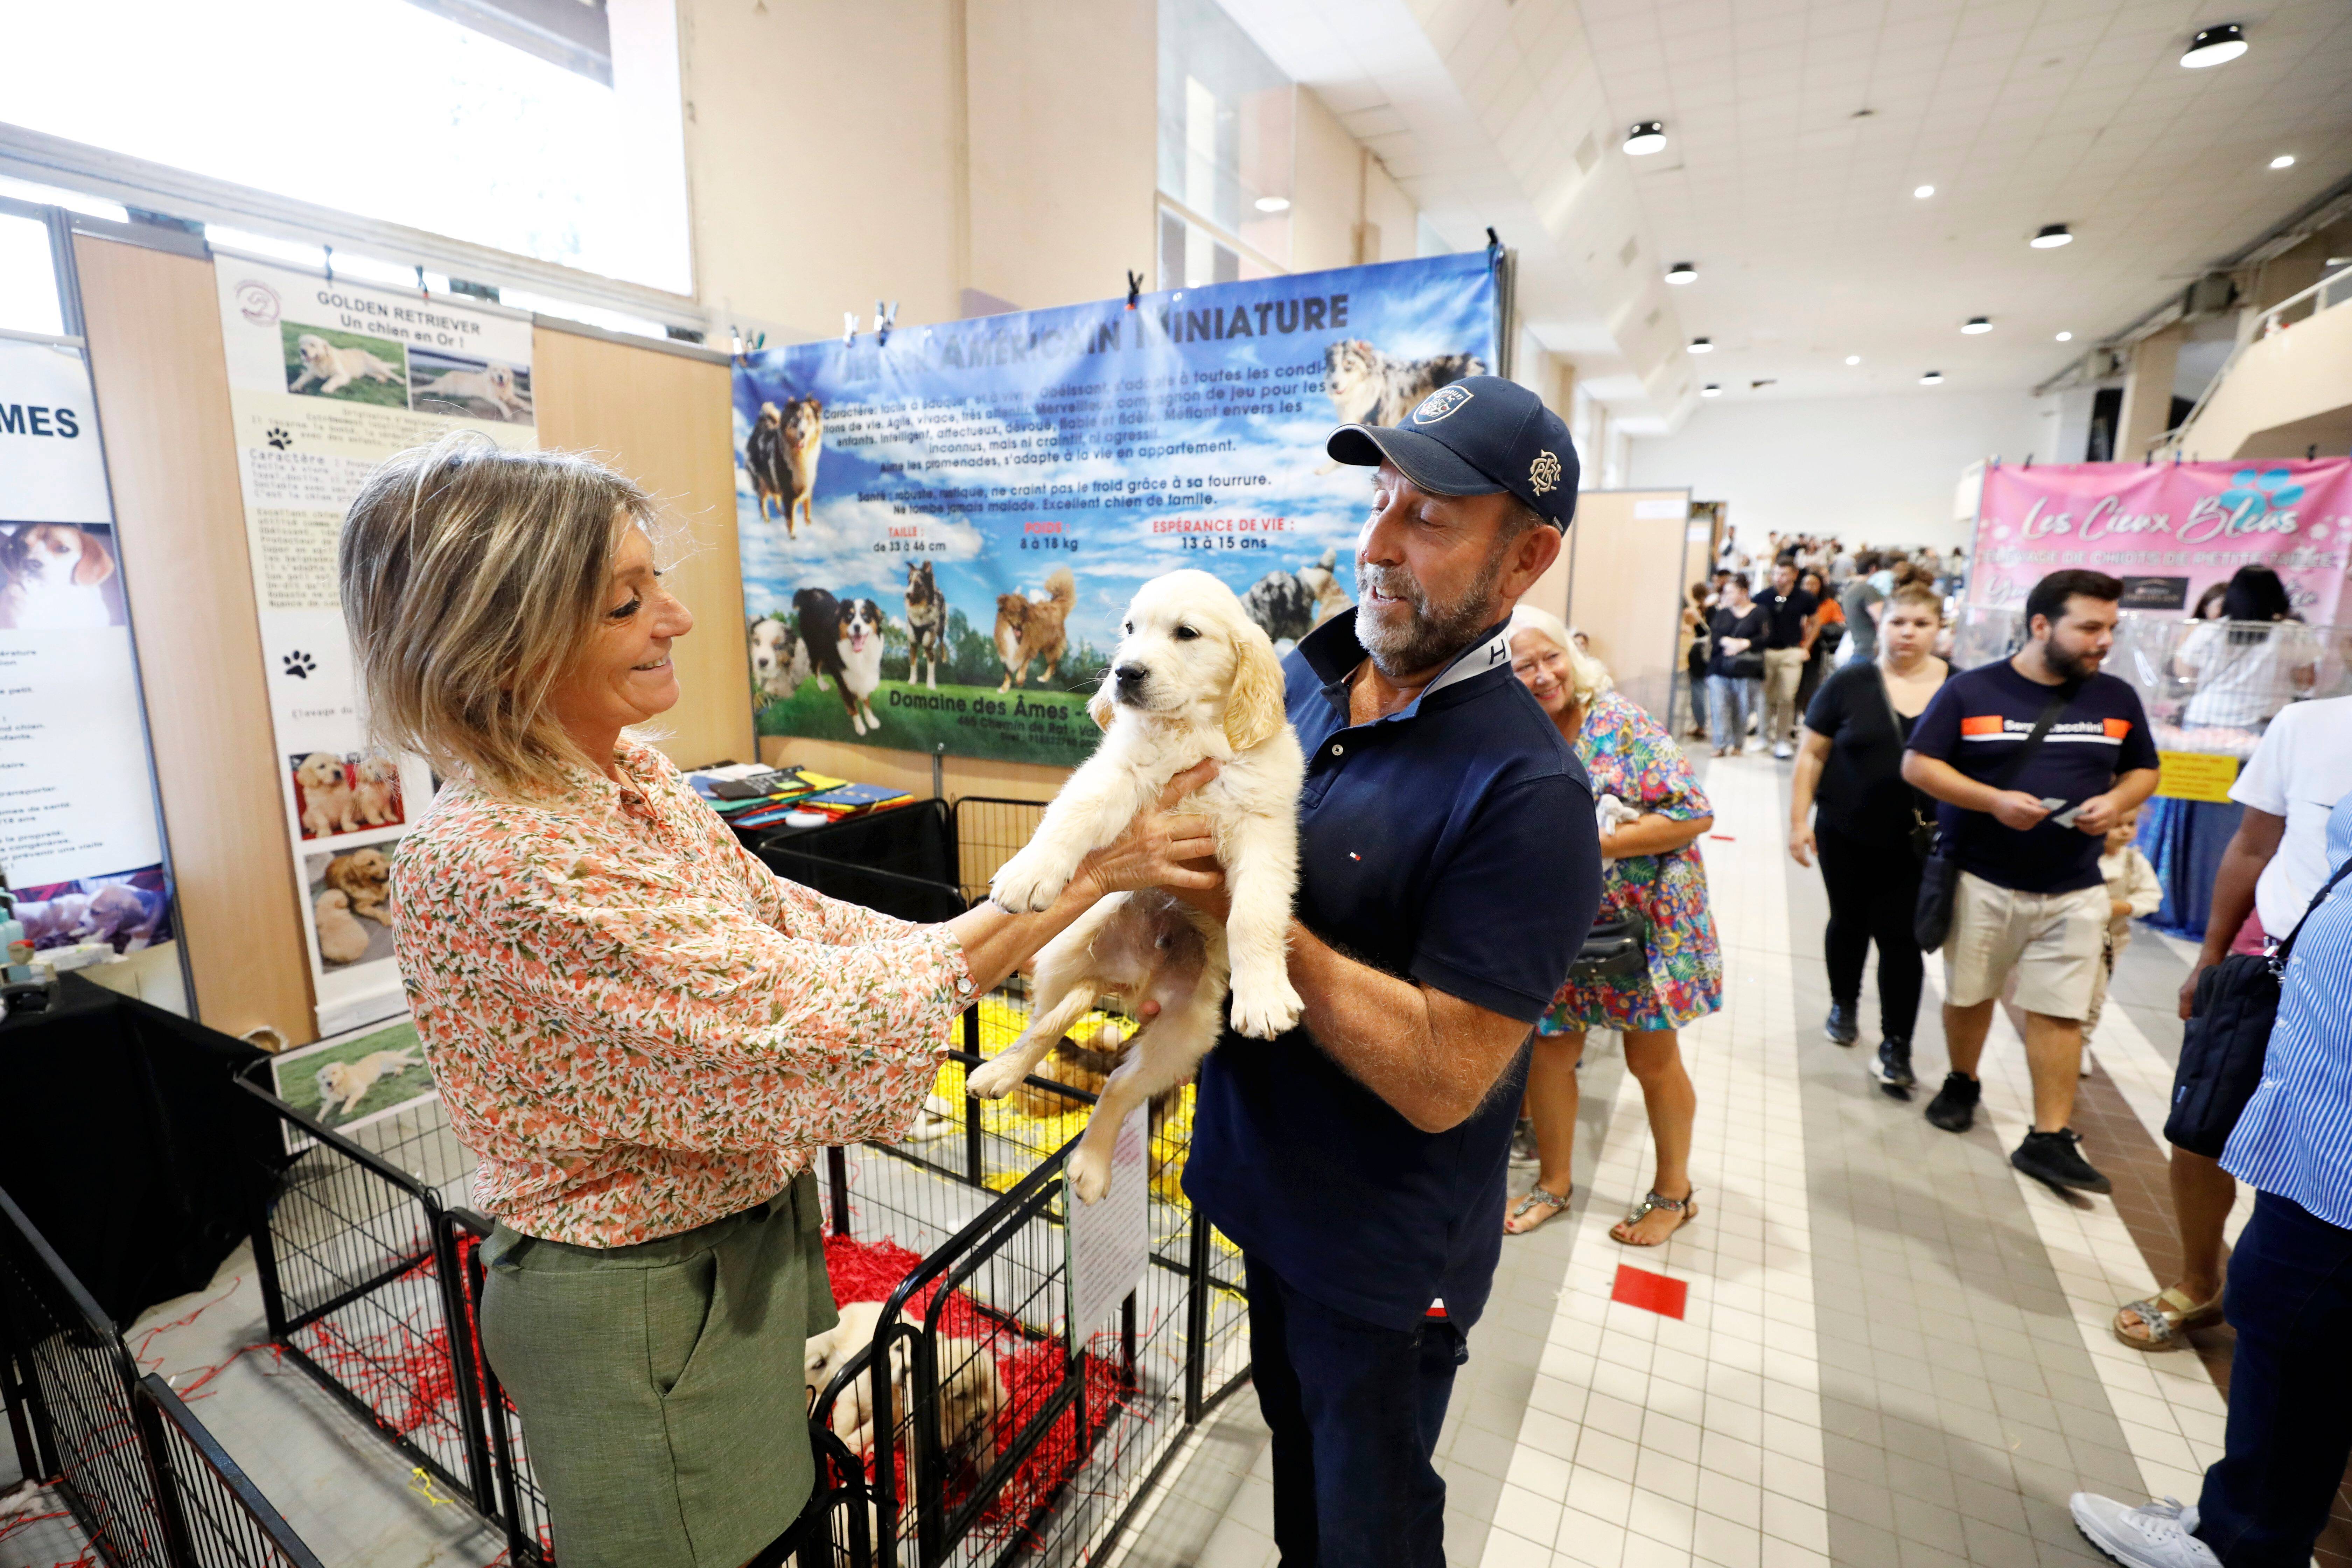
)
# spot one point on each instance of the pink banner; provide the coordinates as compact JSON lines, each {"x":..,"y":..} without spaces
{"x":2167,"y":530}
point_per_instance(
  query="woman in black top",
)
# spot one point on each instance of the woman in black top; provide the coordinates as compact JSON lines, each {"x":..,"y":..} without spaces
{"x":1852,"y":757}
{"x":1734,"y":671}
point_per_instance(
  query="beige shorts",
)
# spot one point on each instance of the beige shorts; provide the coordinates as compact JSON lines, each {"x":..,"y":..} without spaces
{"x":2051,"y":943}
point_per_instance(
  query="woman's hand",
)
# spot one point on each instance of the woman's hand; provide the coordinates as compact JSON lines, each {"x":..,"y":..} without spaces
{"x":1801,"y":843}
{"x":1154,"y":851}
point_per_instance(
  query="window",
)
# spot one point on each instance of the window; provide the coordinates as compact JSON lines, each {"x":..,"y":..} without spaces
{"x":498,"y":129}
{"x":28,"y":280}
{"x":1226,"y":157}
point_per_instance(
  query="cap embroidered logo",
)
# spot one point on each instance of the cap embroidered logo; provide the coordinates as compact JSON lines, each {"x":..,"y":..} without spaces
{"x":1440,"y":404}
{"x":1543,"y":474}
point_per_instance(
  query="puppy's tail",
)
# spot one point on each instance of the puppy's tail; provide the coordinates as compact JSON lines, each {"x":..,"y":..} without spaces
{"x":1061,"y":589}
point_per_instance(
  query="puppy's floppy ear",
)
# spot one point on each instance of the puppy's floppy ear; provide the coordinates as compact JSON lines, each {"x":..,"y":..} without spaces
{"x":1253,"y":707}
{"x":1100,"y":707}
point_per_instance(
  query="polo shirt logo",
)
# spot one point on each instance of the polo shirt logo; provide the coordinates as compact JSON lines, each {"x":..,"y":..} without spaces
{"x":1987,"y":725}
{"x":1440,"y":404}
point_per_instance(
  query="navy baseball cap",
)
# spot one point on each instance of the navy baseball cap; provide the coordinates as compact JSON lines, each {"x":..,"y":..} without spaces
{"x":1480,"y":436}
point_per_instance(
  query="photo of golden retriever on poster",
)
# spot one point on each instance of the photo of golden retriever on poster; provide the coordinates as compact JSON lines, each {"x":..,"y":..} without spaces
{"x":336,"y":793}
{"x":350,"y":900}
{"x":350,"y":367}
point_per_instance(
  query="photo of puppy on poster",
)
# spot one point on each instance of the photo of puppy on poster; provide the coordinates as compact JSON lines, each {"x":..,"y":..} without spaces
{"x":350,"y":1080}
{"x":58,"y":576}
{"x":350,"y":899}
{"x":347,"y":792}
{"x":129,"y":910}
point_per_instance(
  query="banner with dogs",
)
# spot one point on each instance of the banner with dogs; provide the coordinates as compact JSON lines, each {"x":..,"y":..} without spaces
{"x":941,"y":528}
{"x":327,"y":378}
{"x":79,"y":843}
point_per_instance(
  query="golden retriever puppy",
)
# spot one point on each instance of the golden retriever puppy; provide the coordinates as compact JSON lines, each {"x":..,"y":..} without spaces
{"x":494,"y":386}
{"x":1193,"y":678}
{"x":332,"y":369}
{"x":349,"y":1082}
{"x":377,"y":794}
{"x":971,"y":1394}
{"x":365,"y":876}
{"x":341,"y":940}
{"x":328,"y":803}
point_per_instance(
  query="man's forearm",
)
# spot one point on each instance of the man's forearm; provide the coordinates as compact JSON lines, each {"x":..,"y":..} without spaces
{"x":1935,"y":776}
{"x":2132,"y":790}
{"x":1381,"y":1029}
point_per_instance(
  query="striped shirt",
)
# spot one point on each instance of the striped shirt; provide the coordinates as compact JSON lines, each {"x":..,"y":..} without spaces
{"x":2295,"y":1137}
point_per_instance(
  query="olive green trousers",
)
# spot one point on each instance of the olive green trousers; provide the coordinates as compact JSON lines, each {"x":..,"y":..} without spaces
{"x":662,"y":1386}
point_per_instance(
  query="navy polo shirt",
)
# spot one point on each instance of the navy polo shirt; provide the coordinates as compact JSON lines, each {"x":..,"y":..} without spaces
{"x":1451,"y":843}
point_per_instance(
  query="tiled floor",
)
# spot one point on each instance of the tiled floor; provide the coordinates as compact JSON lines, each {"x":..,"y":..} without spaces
{"x":1895,"y":1350}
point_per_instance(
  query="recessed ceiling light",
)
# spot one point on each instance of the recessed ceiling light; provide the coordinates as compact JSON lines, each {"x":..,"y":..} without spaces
{"x":1933,"y":378}
{"x":2051,"y":236}
{"x":1647,"y":136}
{"x":1701,"y":345}
{"x":1853,"y":359}
{"x":2213,"y":46}
{"x":2065,"y":337}
{"x":1710,"y":390}
{"x":1924,"y":192}
{"x":2284,"y":161}
{"x":1977,"y":324}
{"x":1682,"y":272}
{"x":1273,"y":204}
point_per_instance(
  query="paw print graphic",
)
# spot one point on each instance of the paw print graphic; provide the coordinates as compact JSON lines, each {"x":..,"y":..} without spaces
{"x":2258,"y":494}
{"x":278,"y":437}
{"x":299,"y":664}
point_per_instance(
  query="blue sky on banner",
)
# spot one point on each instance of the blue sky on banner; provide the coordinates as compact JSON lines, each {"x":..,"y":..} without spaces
{"x":901,"y":421}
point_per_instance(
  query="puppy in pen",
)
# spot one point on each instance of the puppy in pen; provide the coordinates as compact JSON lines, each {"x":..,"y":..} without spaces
{"x":1194,"y":679}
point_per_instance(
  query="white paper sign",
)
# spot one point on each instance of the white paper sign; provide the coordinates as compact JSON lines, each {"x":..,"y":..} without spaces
{"x":1110,"y":1241}
{"x":327,"y":378}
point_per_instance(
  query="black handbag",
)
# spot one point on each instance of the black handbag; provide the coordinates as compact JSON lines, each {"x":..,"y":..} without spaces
{"x":2226,"y":1037}
{"x":1744,"y":666}
{"x":1612,"y":948}
{"x":1940,"y":878}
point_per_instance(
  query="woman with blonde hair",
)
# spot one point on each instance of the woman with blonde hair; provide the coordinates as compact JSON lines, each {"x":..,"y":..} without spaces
{"x":1653,"y":893}
{"x":641,"y":1033}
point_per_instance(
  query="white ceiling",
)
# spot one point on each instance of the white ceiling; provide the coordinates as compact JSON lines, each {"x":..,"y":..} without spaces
{"x":1799,"y":214}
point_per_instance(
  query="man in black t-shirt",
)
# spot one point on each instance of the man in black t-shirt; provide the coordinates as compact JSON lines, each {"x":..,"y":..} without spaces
{"x":2027,"y":838}
{"x":1789,"y":612}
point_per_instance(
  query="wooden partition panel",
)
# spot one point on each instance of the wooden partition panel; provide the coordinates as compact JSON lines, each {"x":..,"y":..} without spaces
{"x":1626,"y":576}
{"x":154,"y":323}
{"x":664,"y":420}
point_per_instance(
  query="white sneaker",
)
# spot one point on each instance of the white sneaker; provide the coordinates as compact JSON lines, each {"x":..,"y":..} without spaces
{"x":2153,"y":1535}
{"x":1784,"y":750}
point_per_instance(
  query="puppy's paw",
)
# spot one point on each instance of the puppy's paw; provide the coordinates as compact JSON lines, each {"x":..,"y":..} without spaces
{"x":1263,"y":1009}
{"x":995,"y":1079}
{"x":1089,"y":1172}
{"x":1028,"y":883}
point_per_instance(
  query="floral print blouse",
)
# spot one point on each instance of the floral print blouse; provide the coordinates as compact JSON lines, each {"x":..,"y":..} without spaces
{"x":1627,"y":754}
{"x":638,"y":1027}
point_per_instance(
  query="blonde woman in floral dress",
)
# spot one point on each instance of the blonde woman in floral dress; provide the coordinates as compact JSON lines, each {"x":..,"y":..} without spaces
{"x":1653,"y":874}
{"x":641,"y":1033}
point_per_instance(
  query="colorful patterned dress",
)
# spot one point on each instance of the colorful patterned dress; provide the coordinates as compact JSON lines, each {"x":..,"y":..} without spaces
{"x":1628,"y":756}
{"x":636,"y":1026}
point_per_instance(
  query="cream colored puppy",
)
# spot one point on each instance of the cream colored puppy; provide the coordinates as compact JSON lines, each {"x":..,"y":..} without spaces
{"x":328,"y":804}
{"x":1193,"y":678}
{"x":332,"y":369}
{"x":378,"y":784}
{"x":971,"y":1395}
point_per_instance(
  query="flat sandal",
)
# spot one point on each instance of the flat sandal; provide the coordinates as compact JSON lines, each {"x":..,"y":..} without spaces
{"x":1538,"y":1196}
{"x":1685,"y":1206}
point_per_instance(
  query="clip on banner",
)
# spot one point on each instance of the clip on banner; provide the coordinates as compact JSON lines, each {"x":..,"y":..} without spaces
{"x":1134,"y":288}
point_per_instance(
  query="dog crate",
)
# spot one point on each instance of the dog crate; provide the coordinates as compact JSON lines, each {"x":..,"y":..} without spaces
{"x":145,"y":1483}
{"x":366,"y":1259}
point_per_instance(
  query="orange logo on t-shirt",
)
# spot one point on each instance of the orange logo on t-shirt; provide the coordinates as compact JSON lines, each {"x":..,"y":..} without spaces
{"x":1983,"y":724}
{"x":2117,"y":729}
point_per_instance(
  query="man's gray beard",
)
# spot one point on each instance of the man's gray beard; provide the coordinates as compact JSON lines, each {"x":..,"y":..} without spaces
{"x":1435,"y":633}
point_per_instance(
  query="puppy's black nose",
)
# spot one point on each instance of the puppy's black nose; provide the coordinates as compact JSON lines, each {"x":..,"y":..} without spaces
{"x":1131,"y":674}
